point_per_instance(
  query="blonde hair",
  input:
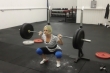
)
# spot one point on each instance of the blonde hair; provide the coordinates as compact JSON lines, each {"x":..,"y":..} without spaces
{"x":49,"y":28}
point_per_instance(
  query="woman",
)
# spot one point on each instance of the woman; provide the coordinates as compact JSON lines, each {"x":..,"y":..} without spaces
{"x":51,"y":47}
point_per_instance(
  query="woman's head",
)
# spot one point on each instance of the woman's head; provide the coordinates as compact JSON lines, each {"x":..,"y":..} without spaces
{"x":47,"y":29}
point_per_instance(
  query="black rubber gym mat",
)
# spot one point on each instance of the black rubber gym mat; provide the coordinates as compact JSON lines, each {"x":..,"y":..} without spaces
{"x":10,"y":31}
{"x":4,"y":45}
{"x":11,"y":68}
{"x":32,"y":60}
{"x":98,"y":34}
{"x":11,"y":38}
{"x":32,"y":71}
{"x":12,"y":52}
{"x":94,"y":67}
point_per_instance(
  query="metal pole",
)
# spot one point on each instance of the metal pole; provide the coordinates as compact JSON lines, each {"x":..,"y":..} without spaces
{"x":81,"y":21}
{"x":48,"y":16}
{"x":48,"y":13}
{"x":85,"y":40}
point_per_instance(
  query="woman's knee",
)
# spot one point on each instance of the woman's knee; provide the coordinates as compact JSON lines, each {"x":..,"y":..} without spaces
{"x":39,"y":51}
{"x":58,"y":54}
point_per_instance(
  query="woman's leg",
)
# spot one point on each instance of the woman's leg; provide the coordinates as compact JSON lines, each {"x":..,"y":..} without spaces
{"x":42,"y":51}
{"x":43,"y":56}
{"x":58,"y":54}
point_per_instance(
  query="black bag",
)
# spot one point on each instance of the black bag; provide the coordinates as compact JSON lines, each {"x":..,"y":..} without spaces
{"x":107,"y":12}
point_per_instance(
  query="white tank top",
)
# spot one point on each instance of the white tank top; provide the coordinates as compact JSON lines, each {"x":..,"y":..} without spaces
{"x":52,"y":43}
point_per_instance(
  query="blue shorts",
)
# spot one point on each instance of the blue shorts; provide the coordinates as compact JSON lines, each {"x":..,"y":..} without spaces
{"x":46,"y":51}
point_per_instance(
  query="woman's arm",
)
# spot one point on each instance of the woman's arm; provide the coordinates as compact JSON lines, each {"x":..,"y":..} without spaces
{"x":60,"y":39}
{"x":40,"y":34}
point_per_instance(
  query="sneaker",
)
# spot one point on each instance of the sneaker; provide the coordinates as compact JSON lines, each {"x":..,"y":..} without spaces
{"x":43,"y":61}
{"x":58,"y":64}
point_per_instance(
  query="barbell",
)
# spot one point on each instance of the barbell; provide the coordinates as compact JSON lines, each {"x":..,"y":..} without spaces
{"x":27,"y":30}
{"x":86,"y":40}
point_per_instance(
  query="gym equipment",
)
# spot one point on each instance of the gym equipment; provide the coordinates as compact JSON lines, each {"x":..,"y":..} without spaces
{"x":24,"y":33}
{"x":81,"y":17}
{"x":29,"y":42}
{"x":38,"y":40}
{"x":48,"y":12}
{"x":103,"y":55}
{"x":79,"y":36}
{"x":71,"y":17}
{"x":27,"y":32}
{"x":48,"y":15}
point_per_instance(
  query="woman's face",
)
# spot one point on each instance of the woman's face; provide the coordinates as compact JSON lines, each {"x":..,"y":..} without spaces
{"x":46,"y":31}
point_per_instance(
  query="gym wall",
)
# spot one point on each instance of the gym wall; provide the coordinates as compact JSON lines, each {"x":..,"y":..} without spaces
{"x":92,"y":15}
{"x":16,"y":12}
{"x":63,"y":3}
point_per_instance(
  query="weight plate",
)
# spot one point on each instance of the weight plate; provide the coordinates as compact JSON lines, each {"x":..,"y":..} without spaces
{"x":103,"y":55}
{"x":28,"y":42}
{"x":21,"y":32}
{"x":24,"y":31}
{"x":80,"y":36}
{"x":38,"y":40}
{"x":74,"y":39}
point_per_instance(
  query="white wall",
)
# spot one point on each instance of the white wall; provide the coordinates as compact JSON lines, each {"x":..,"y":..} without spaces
{"x":10,"y":18}
{"x":92,"y":16}
{"x":63,"y":3}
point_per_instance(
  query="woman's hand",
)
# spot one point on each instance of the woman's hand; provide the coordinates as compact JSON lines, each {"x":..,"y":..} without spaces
{"x":40,"y":33}
{"x":59,"y":36}
{"x":60,"y":39}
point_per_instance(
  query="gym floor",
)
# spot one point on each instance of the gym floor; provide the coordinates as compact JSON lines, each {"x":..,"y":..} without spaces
{"x":18,"y":58}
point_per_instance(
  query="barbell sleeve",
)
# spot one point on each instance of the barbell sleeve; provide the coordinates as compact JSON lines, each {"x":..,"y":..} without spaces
{"x":67,"y":37}
{"x":32,"y":31}
{"x":86,"y":40}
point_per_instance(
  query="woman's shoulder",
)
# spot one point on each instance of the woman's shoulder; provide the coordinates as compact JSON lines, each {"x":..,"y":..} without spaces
{"x":54,"y":36}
